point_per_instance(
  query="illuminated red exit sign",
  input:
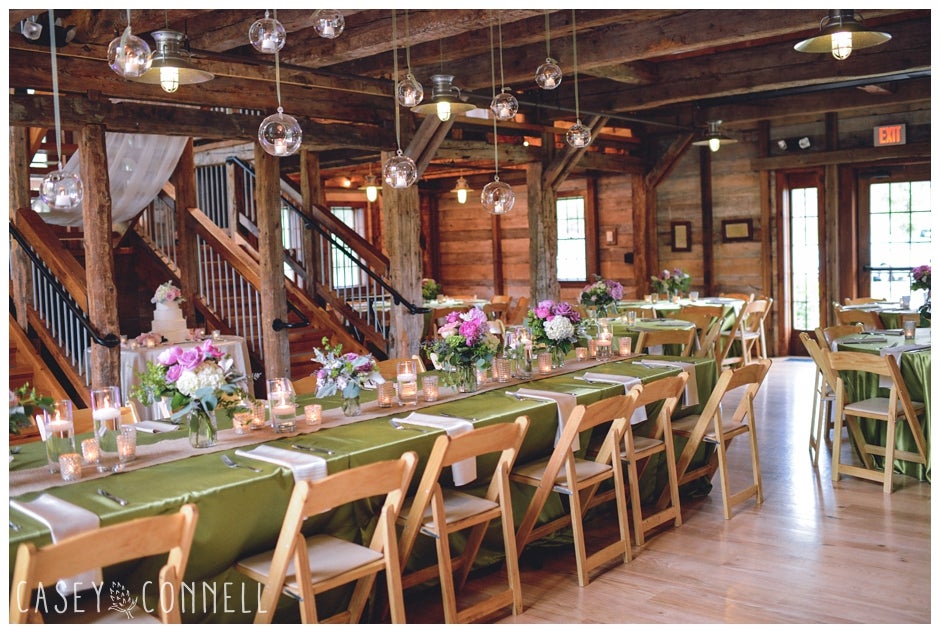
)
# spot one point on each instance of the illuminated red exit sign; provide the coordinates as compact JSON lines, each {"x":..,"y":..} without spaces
{"x":891,"y":134}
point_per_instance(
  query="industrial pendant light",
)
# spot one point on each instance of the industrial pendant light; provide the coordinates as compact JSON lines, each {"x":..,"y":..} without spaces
{"x":267,"y":35}
{"x":128,"y":55}
{"x":371,"y":187}
{"x":445,"y":99}
{"x":578,"y":135}
{"x":713,"y":138}
{"x":841,"y":32}
{"x":461,"y":189}
{"x":59,"y":189}
{"x":169,"y":63}
{"x":279,"y":134}
{"x":399,"y":171}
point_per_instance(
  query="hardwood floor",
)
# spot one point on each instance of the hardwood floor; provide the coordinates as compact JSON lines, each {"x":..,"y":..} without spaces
{"x":815,"y":551}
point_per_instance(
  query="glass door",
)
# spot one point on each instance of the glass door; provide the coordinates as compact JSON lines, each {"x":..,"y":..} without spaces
{"x":803,"y":253}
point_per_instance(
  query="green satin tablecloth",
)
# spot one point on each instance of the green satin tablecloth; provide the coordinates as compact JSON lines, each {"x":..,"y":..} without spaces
{"x":915,"y":370}
{"x":240,"y":512}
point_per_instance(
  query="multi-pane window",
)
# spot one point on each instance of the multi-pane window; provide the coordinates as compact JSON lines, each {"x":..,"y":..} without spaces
{"x":572,"y":243}
{"x":804,"y":258}
{"x":899,"y":218}
{"x":346,"y":273}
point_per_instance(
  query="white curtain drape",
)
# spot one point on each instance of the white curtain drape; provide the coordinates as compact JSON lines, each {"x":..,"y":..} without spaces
{"x":138,"y":166}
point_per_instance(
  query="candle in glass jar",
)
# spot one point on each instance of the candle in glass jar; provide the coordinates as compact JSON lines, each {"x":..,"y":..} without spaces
{"x":70,"y":466}
{"x":625,"y":345}
{"x":430,"y":386}
{"x":127,"y":448}
{"x":106,"y":413}
{"x":545,"y":362}
{"x":581,"y":353}
{"x":313,"y":413}
{"x":385,"y":394}
{"x":592,"y":348}
{"x":90,"y":450}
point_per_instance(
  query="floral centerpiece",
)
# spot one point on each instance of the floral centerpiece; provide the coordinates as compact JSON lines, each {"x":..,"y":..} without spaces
{"x":430,"y":289}
{"x":464,"y":344}
{"x":602,"y":294}
{"x":921,"y":281}
{"x":24,"y":403}
{"x":671,"y":282}
{"x":167,"y":293}
{"x":554,"y":326}
{"x":347,"y":374}
{"x":197,"y":381}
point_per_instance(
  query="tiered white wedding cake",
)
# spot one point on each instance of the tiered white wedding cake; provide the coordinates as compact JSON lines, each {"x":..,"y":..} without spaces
{"x":168,"y":319}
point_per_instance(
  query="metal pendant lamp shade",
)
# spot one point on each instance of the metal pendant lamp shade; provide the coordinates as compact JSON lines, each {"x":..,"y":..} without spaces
{"x":714,"y":138}
{"x":170,"y":66}
{"x":445,"y":99}
{"x":841,"y":32}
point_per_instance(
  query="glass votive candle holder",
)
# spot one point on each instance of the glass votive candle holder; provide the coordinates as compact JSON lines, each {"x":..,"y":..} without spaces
{"x":503,"y":367}
{"x":216,"y":335}
{"x":90,"y":452}
{"x":647,"y":298}
{"x":313,"y":414}
{"x":545,"y":362}
{"x":70,"y":466}
{"x":385,"y":394}
{"x":603,"y":348}
{"x":483,"y":375}
{"x":693,"y":295}
{"x":241,"y":422}
{"x":592,"y":348}
{"x":910,"y":328}
{"x":625,"y":346}
{"x":581,"y":353}
{"x":259,"y":414}
{"x":430,"y":385}
{"x":654,"y":297}
{"x":631,"y":317}
{"x":127,"y":444}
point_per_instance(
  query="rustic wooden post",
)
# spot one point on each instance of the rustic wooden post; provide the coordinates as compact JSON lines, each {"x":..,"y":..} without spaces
{"x":642,"y":215}
{"x":275,"y":346}
{"x":401,"y":216}
{"x":232,"y":198}
{"x":311,"y":190}
{"x":99,"y":256}
{"x":22,"y":273}
{"x":187,"y":246}
{"x":543,"y":237}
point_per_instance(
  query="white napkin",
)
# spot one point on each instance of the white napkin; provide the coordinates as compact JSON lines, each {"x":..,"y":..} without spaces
{"x":691,"y":385}
{"x":153,"y":426}
{"x":63,"y":519}
{"x":639,"y":414}
{"x":566,"y":404}
{"x":464,"y":471}
{"x":862,"y":339}
{"x":303,"y":466}
{"x":884,"y":381}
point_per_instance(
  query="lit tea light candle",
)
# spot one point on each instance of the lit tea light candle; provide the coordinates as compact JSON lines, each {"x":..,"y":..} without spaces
{"x":127,"y":448}
{"x":70,"y":466}
{"x":545,"y":362}
{"x":385,"y":394}
{"x":151,"y":342}
{"x":268,"y":44}
{"x":90,"y":451}
{"x":592,"y":348}
{"x":581,"y":353}
{"x":431,"y":387}
{"x":603,"y":346}
{"x":106,"y":413}
{"x":503,"y":367}
{"x":482,"y":375}
{"x":313,"y":413}
{"x":62,"y":199}
{"x":625,"y":346}
{"x":259,"y":417}
{"x":241,"y":422}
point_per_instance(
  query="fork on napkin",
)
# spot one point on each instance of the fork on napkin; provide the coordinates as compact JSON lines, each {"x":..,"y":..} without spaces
{"x":153,"y":426}
{"x":639,"y":414}
{"x":464,"y":471}
{"x":691,"y":385}
{"x":63,"y":519}
{"x":303,"y":465}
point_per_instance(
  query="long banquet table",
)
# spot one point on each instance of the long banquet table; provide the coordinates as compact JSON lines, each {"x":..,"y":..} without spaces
{"x":915,"y":371}
{"x":240,"y":511}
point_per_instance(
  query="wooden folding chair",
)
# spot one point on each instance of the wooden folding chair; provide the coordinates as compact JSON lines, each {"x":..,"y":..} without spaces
{"x":389,"y":367}
{"x":746,"y":332}
{"x":41,"y":567}
{"x":653,"y":338}
{"x":870,"y":320}
{"x":83,"y":422}
{"x":658,"y":440}
{"x":704,"y":318}
{"x":746,"y":297}
{"x":302,"y":567}
{"x":438,"y":513}
{"x":710,"y":426}
{"x":579,"y":479}
{"x":495,"y":311}
{"x":825,"y":336}
{"x":824,"y":398}
{"x":858,"y":301}
{"x":895,"y":409}
{"x":518,"y":311}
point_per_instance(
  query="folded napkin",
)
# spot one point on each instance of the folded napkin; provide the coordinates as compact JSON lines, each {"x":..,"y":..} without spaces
{"x":464,"y":471}
{"x":852,"y":338}
{"x":566,"y":404}
{"x":691,"y":385}
{"x":63,"y":519}
{"x":153,"y":426}
{"x":303,"y":466}
{"x":653,"y":320}
{"x":897,"y":332}
{"x":639,"y":415}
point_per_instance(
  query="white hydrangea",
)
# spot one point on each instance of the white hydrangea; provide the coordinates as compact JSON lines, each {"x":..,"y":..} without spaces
{"x":205,"y":375}
{"x":559,"y":329}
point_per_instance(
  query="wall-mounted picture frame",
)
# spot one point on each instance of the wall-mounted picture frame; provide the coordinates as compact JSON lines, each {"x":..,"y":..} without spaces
{"x":737,"y":230}
{"x":681,"y":236}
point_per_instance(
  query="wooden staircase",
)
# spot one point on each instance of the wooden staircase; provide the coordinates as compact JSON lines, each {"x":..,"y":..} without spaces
{"x":28,"y":367}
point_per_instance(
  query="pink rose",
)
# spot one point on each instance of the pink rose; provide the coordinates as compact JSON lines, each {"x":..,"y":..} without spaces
{"x":191,"y":358}
{"x":170,"y":356}
{"x":173,"y":373}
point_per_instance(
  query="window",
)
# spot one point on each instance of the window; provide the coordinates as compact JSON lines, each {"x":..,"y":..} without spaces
{"x":899,"y":239}
{"x":804,"y":258}
{"x":345,"y":271}
{"x":572,"y":240}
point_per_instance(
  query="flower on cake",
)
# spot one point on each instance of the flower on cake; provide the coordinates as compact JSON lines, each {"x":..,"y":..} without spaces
{"x":345,"y":373}
{"x":167,"y":294}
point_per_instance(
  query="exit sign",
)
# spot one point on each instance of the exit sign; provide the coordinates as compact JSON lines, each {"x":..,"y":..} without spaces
{"x":895,"y":134}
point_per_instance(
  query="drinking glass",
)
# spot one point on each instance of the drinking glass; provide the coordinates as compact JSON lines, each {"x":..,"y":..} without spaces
{"x":58,"y":432}
{"x":283,"y":405}
{"x":693,"y":295}
{"x":106,"y":414}
{"x":408,"y":382}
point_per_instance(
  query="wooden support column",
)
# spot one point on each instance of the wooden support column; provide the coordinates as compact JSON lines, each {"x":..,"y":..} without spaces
{"x":21,"y":284}
{"x":543,"y":238}
{"x":708,"y":229}
{"x":311,"y":191}
{"x":644,"y":207}
{"x":99,"y":256}
{"x":275,"y":346}
{"x":187,"y":247}
{"x":401,"y":218}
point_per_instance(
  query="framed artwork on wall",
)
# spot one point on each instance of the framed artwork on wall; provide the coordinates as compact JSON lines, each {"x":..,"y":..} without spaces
{"x":737,"y":230}
{"x":681,"y":236}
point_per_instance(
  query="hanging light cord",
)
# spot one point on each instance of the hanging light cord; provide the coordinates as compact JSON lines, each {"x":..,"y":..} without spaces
{"x":395,"y":79}
{"x":55,"y":89}
{"x":493,"y":78}
{"x":125,"y":35}
{"x":548,"y":39}
{"x":277,"y":70}
{"x":407,"y":47}
{"x":502,"y":80}
{"x":574,"y":54}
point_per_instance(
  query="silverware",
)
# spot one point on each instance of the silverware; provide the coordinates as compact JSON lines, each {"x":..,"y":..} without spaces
{"x":459,"y":417}
{"x":228,"y":461}
{"x":401,"y":427}
{"x":115,"y":499}
{"x":312,"y":449}
{"x":16,"y":527}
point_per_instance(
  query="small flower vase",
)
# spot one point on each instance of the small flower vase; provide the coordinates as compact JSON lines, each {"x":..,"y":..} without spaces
{"x":203,"y":431}
{"x":351,"y":406}
{"x":465,"y":377}
{"x":558,"y":357}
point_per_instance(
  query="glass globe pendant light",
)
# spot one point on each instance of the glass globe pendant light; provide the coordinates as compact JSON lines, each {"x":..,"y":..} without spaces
{"x":267,"y":35}
{"x":329,"y":23}
{"x":409,"y":90}
{"x":548,"y":75}
{"x":30,"y":28}
{"x":497,"y":197}
{"x":399,"y":171}
{"x":59,"y":189}
{"x":129,"y":55}
{"x":504,"y":105}
{"x":578,"y":135}
{"x":279,"y":134}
